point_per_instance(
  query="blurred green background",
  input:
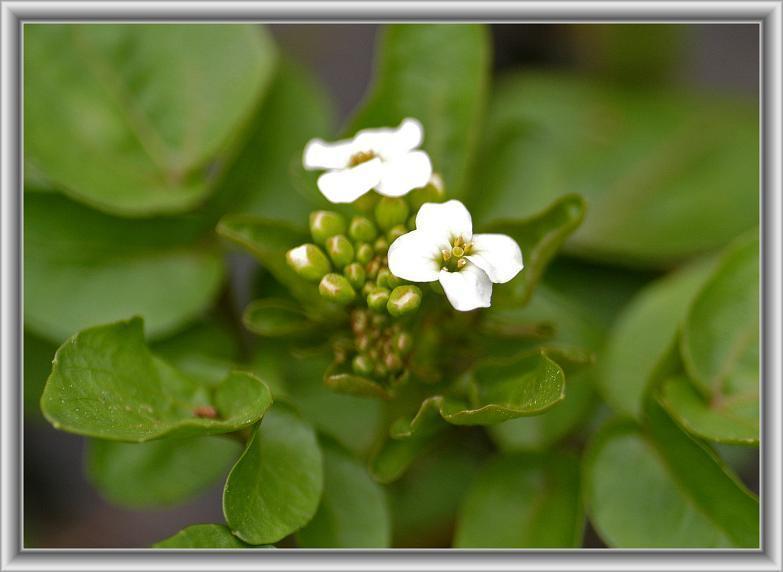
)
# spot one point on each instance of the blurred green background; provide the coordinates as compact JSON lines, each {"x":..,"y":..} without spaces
{"x":63,"y":510}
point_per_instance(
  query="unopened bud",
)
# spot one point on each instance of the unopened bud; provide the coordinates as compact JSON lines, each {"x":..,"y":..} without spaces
{"x":403,"y":300}
{"x":335,"y":287}
{"x":308,"y":261}
{"x":396,"y":232}
{"x":378,"y":298}
{"x":402,"y":343}
{"x":391,"y":211}
{"x":355,"y":274}
{"x":364,"y":253}
{"x":432,"y":192}
{"x":324,"y":224}
{"x":392,"y":362}
{"x":381,"y":246}
{"x":362,"y":365}
{"x":340,"y":250}
{"x":362,"y":229}
{"x":386,"y":279}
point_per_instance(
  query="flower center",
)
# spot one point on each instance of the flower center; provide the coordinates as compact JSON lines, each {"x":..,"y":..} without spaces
{"x":361,"y":157}
{"x":454,"y":259}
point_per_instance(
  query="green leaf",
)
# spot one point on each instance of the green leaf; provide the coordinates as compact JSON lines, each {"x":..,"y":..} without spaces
{"x":733,"y":420}
{"x":106,"y":383}
{"x":666,"y":175}
{"x":84,"y":268}
{"x":273,"y":318}
{"x":720,"y":339}
{"x":38,"y":354}
{"x":353,"y":511}
{"x":157,"y":473}
{"x":143,"y":116}
{"x":644,"y":332}
{"x":663,"y":489}
{"x":539,"y":237}
{"x":523,"y":501}
{"x":355,"y":385}
{"x":203,"y":536}
{"x":438,"y":74}
{"x":542,"y":431}
{"x":260,"y":180}
{"x":275,"y":487}
{"x":394,"y":455}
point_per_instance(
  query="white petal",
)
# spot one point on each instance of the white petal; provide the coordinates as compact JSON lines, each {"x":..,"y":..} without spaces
{"x":445,"y":221}
{"x":498,"y":255}
{"x":321,"y":155}
{"x":414,"y":257}
{"x":347,"y":185}
{"x":405,"y":173}
{"x":468,"y":289}
{"x":392,"y":142}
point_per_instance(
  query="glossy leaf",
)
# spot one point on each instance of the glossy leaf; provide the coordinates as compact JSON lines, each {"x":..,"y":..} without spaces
{"x":353,"y":511}
{"x":203,"y":536}
{"x":643,"y":333}
{"x":158,"y":473}
{"x":84,"y":268}
{"x":539,"y":237}
{"x":523,"y":501}
{"x":661,"y":489}
{"x":106,"y":383}
{"x":142,"y":116}
{"x":275,"y":487}
{"x":666,"y":175}
{"x":438,"y":74}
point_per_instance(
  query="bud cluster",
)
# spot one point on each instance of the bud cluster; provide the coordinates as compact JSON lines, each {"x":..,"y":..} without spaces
{"x":348,"y":259}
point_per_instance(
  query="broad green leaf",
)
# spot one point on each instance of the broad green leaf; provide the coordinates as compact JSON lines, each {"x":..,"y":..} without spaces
{"x":732,"y":419}
{"x":665,"y":175}
{"x":106,"y":383}
{"x":275,"y":487}
{"x":273,"y":318}
{"x":353,"y":511}
{"x":84,"y":268}
{"x":158,"y":473}
{"x":203,"y":536}
{"x":662,"y":489}
{"x":542,"y":431}
{"x":38,"y":355}
{"x":139,"y":119}
{"x":720,"y":339}
{"x":295,"y":109}
{"x":523,"y":501}
{"x":643,"y":333}
{"x":539,"y":237}
{"x":437,"y":73}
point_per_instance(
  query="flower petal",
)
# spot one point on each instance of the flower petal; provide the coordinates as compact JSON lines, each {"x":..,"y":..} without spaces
{"x":319,"y":154}
{"x":391,"y":142}
{"x":498,"y":255}
{"x":404,"y":173}
{"x":414,"y":257}
{"x":445,"y":221}
{"x":347,"y":185}
{"x":467,"y":289}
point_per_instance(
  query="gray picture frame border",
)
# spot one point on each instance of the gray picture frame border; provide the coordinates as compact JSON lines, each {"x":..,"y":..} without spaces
{"x":13,"y":16}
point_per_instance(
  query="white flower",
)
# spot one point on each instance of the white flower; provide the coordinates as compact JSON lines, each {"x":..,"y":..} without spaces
{"x":443,"y":247}
{"x":383,"y":159}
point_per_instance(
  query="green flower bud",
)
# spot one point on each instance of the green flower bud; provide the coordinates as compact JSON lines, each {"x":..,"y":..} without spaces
{"x":381,"y":370}
{"x":432,"y":192}
{"x":308,"y":261}
{"x":392,"y":362}
{"x":362,"y":229}
{"x":387,"y":280}
{"x":391,"y":211}
{"x":381,"y":246}
{"x":335,"y":287}
{"x":368,"y":287}
{"x":364,"y":253}
{"x":366,"y":203}
{"x":340,"y":250}
{"x":402,"y":343}
{"x":378,"y":298}
{"x":355,"y":274}
{"x":403,"y":300}
{"x":324,"y":224}
{"x":362,"y":365}
{"x":396,"y":232}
